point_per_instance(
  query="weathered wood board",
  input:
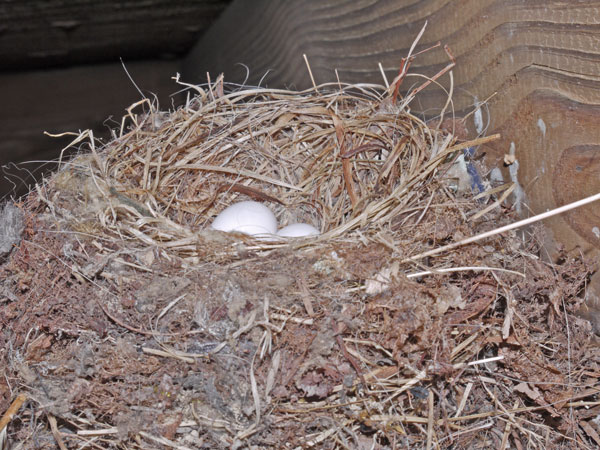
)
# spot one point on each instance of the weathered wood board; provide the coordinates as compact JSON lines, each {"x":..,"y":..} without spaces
{"x":67,"y":100}
{"x":52,"y":33}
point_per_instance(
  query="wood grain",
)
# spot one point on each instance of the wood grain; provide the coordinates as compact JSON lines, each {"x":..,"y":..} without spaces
{"x":541,"y":59}
{"x":50,"y":33}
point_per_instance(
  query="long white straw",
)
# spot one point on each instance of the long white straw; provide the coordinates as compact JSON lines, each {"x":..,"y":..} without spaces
{"x":508,"y":227}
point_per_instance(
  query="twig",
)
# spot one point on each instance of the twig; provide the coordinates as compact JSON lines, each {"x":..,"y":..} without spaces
{"x":512,"y":226}
{"x":385,"y":80}
{"x":310,"y":72}
{"x":352,"y":361}
{"x":463,"y":269}
{"x":163,"y":441}
{"x":405,"y":64}
{"x":99,"y":432}
{"x":169,"y":306}
{"x":430,"y":420}
{"x":12,"y":410}
{"x":56,"y":433}
{"x":120,"y":322}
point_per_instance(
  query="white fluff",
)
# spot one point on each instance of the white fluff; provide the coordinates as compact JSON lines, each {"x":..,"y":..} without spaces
{"x":298,"y":230}
{"x":248,"y":217}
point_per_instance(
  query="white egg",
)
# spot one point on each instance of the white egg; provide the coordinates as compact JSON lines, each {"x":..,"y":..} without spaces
{"x":298,"y":230}
{"x":248,"y":217}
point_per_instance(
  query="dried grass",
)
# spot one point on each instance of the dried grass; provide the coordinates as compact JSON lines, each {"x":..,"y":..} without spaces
{"x":346,"y":161}
{"x":368,"y":346}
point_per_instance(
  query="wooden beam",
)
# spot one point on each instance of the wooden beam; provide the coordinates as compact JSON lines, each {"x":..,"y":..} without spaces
{"x":63,"y":100}
{"x":50,"y":33}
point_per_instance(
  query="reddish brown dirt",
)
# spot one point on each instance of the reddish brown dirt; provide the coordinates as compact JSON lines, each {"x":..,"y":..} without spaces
{"x":81,"y":327}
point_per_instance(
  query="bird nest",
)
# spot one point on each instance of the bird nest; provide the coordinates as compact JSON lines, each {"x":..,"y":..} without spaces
{"x":347,"y":161}
{"x":134,"y":324}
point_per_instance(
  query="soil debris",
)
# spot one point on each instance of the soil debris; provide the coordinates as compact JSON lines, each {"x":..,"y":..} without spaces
{"x":128,"y":323}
